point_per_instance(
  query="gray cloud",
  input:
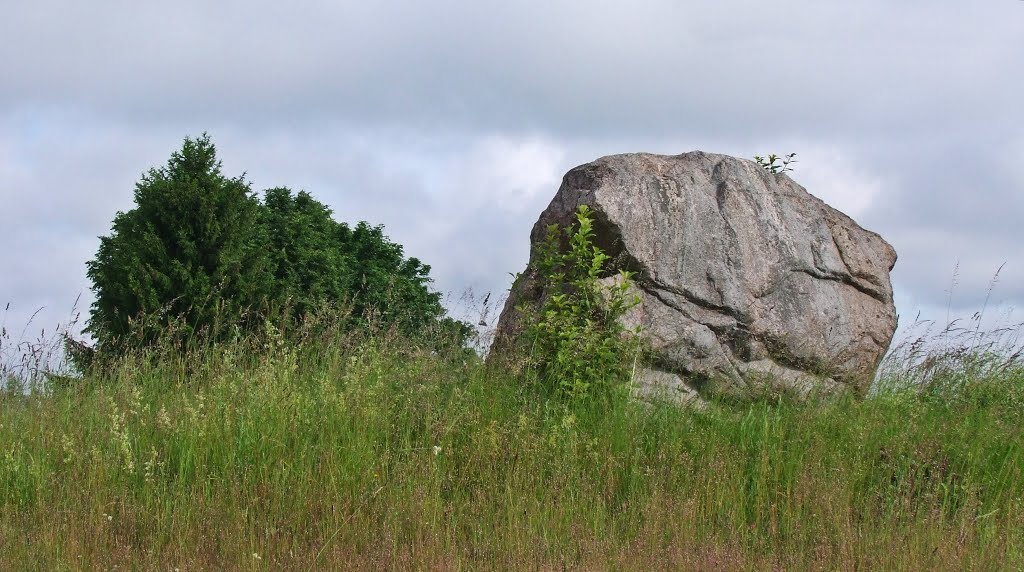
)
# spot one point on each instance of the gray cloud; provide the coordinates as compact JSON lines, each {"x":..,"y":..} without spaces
{"x":451,"y":122}
{"x":955,"y":204}
{"x":604,"y":67}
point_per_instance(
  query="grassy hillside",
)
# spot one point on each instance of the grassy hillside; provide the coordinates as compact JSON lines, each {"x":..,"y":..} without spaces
{"x":369,"y":454}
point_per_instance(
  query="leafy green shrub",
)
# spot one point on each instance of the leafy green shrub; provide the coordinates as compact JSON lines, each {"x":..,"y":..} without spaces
{"x":579,"y":348}
{"x":775,"y":164}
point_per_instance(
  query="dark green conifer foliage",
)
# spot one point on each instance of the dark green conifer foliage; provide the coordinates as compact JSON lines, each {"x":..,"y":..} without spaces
{"x":318,"y":260}
{"x":191,"y":251}
{"x":200,"y":252}
{"x":309,"y":260}
{"x":386,"y":285}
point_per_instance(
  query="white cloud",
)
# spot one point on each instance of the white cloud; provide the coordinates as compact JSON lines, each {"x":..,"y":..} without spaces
{"x":838,"y":178}
{"x":508,"y":173}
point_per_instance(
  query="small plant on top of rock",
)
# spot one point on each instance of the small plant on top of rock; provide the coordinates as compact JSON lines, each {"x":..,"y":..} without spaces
{"x":580,"y":350}
{"x":775,"y":164}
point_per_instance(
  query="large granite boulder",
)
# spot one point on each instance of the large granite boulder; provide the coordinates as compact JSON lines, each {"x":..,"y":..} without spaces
{"x":747,"y":282}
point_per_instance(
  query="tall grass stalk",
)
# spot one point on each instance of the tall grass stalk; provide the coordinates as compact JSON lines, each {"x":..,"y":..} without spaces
{"x":346,"y":450}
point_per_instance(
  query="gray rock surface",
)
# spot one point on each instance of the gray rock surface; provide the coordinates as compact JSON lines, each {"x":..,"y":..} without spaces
{"x":747,"y":282}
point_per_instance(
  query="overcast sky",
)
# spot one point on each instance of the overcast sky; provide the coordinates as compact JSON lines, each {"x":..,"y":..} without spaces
{"x":451,"y":123}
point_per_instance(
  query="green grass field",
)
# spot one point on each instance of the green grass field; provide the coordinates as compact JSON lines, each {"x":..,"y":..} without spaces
{"x":370,"y":454}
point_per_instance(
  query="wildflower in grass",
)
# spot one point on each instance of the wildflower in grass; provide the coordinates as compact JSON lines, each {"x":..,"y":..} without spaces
{"x":437,"y":450}
{"x":568,"y":422}
{"x":68,"y":447}
{"x":135,"y":402}
{"x":524,"y":422}
{"x":163,"y":419}
{"x":9,"y":460}
{"x":127,"y":457}
{"x":149,"y":469}
{"x":119,"y":436}
{"x":195,"y":415}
